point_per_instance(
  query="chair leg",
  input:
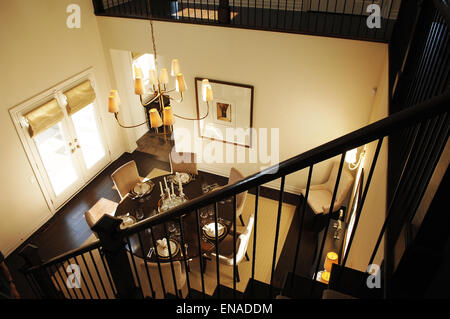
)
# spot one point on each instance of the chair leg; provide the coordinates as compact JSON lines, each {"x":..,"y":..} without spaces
{"x":180,"y":292}
{"x":236,"y":270}
{"x":242,"y":221}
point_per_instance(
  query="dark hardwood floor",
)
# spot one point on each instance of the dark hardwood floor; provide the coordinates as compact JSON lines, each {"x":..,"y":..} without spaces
{"x":68,"y":230}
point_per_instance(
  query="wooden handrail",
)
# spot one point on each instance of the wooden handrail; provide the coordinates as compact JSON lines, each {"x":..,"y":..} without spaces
{"x":369,"y":133}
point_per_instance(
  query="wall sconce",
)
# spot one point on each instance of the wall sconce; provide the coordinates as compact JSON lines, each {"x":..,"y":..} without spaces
{"x":350,"y":158}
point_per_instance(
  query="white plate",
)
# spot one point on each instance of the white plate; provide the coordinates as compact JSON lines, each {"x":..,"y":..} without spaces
{"x":185,"y":177}
{"x":127,"y":221}
{"x":210,"y":229}
{"x":141,"y":188}
{"x":165,"y":252}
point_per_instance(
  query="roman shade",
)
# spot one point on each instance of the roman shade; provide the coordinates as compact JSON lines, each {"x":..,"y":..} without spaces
{"x":79,"y":97}
{"x":43,"y":117}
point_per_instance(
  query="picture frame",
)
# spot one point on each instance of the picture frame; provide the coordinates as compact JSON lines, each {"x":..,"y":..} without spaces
{"x":232,"y":107}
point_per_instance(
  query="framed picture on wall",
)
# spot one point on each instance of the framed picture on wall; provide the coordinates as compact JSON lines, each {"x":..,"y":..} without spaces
{"x":230,"y":114}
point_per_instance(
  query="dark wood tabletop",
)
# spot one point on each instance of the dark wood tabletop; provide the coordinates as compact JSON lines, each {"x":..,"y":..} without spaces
{"x":149,"y":206}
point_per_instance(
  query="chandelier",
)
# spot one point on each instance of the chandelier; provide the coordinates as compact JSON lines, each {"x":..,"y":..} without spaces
{"x":162,"y":114}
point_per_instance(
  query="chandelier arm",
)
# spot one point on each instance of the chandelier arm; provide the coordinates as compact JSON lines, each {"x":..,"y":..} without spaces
{"x":176,"y":100}
{"x":149,"y":102}
{"x":125,"y":126}
{"x":196,"y":119}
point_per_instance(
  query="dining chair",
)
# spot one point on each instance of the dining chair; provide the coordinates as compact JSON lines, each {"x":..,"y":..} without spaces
{"x":166,"y":273}
{"x":319,"y":197}
{"x":226,"y":247}
{"x":101,"y":207}
{"x":183,"y":162}
{"x":125,"y":178}
{"x":235,"y":176}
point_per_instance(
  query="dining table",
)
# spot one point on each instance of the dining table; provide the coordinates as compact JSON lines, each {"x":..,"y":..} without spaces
{"x":142,"y":245}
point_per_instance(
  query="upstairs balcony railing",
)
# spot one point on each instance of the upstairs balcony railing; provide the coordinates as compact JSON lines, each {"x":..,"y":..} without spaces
{"x":332,"y":18}
{"x":111,"y":267}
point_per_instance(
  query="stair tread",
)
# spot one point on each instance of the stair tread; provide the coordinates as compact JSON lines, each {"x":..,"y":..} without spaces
{"x":352,"y":283}
{"x":299,"y":287}
{"x":227,"y":293}
{"x":258,"y":290}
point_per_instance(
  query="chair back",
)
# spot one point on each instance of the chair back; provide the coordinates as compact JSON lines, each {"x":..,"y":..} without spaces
{"x":345,"y":183}
{"x":235,"y":176}
{"x":90,"y":219}
{"x":243,"y":240}
{"x":166,"y":271}
{"x":125,"y":178}
{"x":183,"y":162}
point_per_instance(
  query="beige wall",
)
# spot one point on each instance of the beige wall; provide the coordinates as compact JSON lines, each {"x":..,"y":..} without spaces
{"x":374,"y":209}
{"x":313,"y":89}
{"x":37,"y":52}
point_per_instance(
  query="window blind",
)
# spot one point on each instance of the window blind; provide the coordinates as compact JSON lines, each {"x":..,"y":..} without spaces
{"x":43,"y":117}
{"x":79,"y":97}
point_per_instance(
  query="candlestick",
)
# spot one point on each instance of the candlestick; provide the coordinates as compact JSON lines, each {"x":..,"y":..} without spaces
{"x":162,"y":192}
{"x":165,"y":182}
{"x":180,"y":185}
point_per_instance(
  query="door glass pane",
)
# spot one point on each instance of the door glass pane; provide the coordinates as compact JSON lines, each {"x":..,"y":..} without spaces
{"x":56,"y":158}
{"x":88,"y":135}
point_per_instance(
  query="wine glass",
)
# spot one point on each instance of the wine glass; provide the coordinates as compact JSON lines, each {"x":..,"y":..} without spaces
{"x":205,"y":188}
{"x":140,"y":213}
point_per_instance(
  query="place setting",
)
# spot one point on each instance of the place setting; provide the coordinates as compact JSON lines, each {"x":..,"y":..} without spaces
{"x":141,"y":190}
{"x":162,"y":248}
{"x":209,"y":230}
{"x":184,"y":178}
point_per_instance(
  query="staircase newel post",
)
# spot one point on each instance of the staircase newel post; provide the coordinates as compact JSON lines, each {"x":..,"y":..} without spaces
{"x":224,"y":12}
{"x":116,"y":256}
{"x":30,"y":254}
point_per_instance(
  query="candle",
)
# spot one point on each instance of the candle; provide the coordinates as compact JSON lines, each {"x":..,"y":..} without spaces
{"x":164,"y":76}
{"x":175,"y":67}
{"x":165,"y":182}
{"x":137,"y":72}
{"x":173,"y":191}
{"x":181,"y":83}
{"x":162,"y":192}
{"x":207,"y":93}
{"x":138,"y":86}
{"x":153,"y":77}
{"x":205,"y":82}
{"x":112,"y":105}
{"x":180,"y":185}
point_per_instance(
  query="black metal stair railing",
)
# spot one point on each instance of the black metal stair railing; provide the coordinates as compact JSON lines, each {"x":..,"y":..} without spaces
{"x":331,"y":18}
{"x":122,"y":269}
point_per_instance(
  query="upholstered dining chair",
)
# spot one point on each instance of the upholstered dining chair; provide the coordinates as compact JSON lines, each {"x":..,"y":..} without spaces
{"x":226,"y":247}
{"x":102,"y":206}
{"x":319,"y":197}
{"x":235,"y":176}
{"x":126,"y":177}
{"x":183,"y":162}
{"x":166,"y":272}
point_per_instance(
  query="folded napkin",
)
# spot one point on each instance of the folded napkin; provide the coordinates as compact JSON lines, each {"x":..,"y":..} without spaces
{"x":210,"y":229}
{"x":163,"y":247}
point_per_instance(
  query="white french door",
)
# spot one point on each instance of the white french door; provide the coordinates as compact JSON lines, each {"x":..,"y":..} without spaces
{"x":69,"y":153}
